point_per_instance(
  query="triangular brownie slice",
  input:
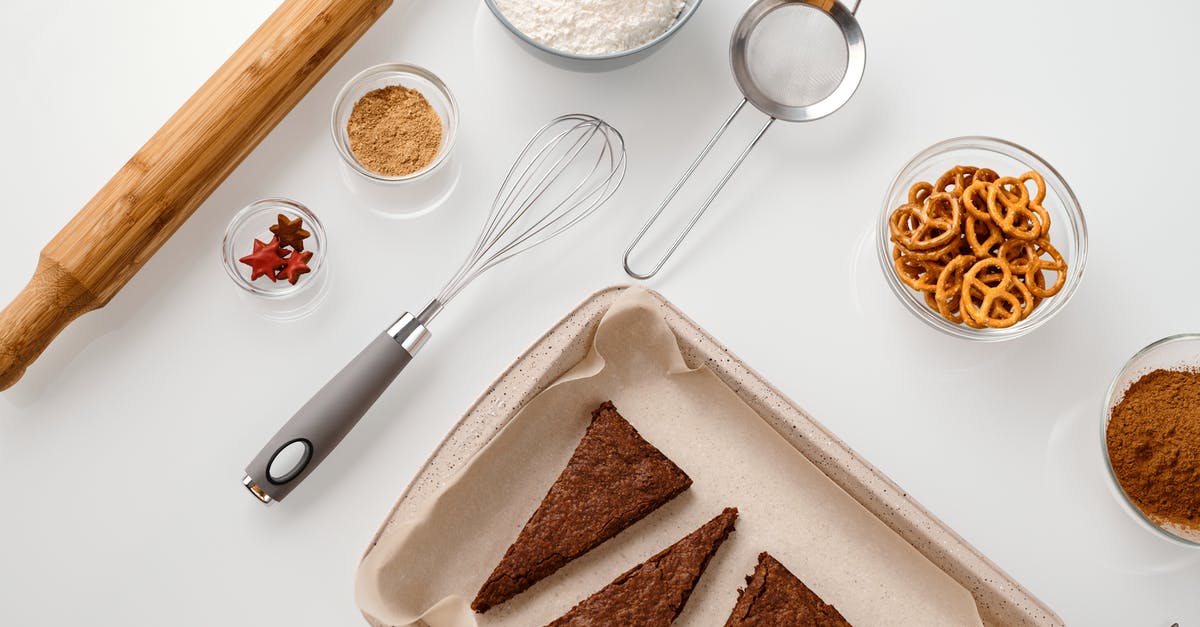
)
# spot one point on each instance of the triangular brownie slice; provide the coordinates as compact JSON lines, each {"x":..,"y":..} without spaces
{"x":614,"y":479}
{"x":774,"y":596}
{"x":653,"y":593}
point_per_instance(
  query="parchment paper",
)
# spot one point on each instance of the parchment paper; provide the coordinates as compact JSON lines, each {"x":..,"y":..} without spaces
{"x":430,"y":567}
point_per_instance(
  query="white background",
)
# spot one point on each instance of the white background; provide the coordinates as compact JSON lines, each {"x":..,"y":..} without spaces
{"x":122,"y":450}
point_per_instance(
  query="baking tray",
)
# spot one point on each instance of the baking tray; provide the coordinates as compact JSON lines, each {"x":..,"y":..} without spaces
{"x":999,"y":598}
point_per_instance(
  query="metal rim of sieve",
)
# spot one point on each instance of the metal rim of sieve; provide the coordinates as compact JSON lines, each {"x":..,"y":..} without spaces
{"x":856,"y":60}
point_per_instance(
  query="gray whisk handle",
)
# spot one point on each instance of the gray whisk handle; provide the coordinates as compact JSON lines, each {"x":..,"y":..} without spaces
{"x":313,"y":432}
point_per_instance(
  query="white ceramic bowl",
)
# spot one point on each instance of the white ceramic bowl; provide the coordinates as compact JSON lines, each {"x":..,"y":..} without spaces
{"x":595,"y":61}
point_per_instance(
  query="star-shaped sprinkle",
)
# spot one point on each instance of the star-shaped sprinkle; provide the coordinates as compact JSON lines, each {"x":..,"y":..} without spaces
{"x":290,"y":232}
{"x":296,"y":265}
{"x":265,"y":260}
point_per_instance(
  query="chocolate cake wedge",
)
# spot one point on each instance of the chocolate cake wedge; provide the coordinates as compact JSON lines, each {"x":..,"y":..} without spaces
{"x":614,"y":479}
{"x":774,"y":596}
{"x":653,"y":593}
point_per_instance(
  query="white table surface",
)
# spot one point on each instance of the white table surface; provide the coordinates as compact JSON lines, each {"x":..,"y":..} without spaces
{"x":122,"y":450}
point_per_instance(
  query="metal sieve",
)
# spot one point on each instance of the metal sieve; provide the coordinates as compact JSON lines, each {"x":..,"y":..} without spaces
{"x":794,"y":60}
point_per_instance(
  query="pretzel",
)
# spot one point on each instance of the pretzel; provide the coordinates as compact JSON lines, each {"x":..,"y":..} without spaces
{"x":974,"y":200}
{"x":995,"y":278}
{"x":988,"y":300}
{"x":928,"y":226}
{"x":903,"y":222}
{"x":1025,"y":296}
{"x":1012,"y":211}
{"x":919,"y":193}
{"x":1039,"y":280}
{"x":1020,"y":254}
{"x":955,"y":180}
{"x":1038,"y":182}
{"x":930,"y":300}
{"x":985,"y":175}
{"x":919,"y":275}
{"x":1055,"y":264}
{"x":966,"y":318}
{"x":982,"y":236}
{"x":1011,"y":191}
{"x":948,"y":292}
{"x":1025,"y":259}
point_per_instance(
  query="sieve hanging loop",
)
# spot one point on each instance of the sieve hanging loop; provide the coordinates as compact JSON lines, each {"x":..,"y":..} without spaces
{"x":786,"y":81}
{"x":683,"y":181}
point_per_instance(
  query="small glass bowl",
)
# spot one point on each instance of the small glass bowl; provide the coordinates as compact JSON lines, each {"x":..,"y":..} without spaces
{"x":1067,"y":226}
{"x":414,"y":194}
{"x":1178,"y":352}
{"x":279,"y":300}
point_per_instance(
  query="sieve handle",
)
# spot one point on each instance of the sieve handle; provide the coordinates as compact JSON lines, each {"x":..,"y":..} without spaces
{"x":827,"y":5}
{"x":707,"y":202}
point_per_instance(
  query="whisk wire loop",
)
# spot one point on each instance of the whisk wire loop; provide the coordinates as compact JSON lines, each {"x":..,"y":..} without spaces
{"x":504,"y":196}
{"x":566,"y":214}
{"x":538,"y":199}
{"x":548,"y":181}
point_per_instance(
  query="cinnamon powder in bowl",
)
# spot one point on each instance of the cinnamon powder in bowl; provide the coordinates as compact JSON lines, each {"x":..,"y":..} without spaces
{"x":1152,"y":436}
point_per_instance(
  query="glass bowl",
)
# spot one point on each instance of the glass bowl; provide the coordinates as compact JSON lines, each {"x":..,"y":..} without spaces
{"x":413,"y":194}
{"x":613,"y":60}
{"x":1178,"y":352}
{"x":279,"y":299}
{"x":1067,"y":226}
{"x":412,"y":77}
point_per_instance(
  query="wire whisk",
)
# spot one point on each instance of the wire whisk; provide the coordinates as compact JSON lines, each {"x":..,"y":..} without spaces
{"x":570,"y":167}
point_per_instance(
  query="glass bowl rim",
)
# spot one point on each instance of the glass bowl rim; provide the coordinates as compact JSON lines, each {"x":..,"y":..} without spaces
{"x":230,"y":262}
{"x":1106,"y":415}
{"x":342,"y":141}
{"x":1077,"y":231}
{"x":686,"y":14}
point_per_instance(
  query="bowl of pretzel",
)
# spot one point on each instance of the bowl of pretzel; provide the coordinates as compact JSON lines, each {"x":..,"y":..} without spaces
{"x":981,"y":239}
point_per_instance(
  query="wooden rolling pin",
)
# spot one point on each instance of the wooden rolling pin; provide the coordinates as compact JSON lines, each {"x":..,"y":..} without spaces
{"x":131,"y":217}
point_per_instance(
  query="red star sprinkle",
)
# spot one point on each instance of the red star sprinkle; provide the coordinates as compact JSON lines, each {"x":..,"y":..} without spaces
{"x":296,"y":265}
{"x":265,"y":260}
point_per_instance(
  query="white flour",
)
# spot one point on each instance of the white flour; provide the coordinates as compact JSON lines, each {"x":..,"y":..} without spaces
{"x":591,"y":26}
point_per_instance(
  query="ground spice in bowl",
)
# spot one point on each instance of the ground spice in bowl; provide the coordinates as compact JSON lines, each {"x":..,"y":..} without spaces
{"x":394,"y":131}
{"x":1153,"y":439}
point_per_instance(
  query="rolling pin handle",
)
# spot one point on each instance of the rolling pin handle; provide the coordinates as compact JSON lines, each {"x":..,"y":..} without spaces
{"x":46,"y":305}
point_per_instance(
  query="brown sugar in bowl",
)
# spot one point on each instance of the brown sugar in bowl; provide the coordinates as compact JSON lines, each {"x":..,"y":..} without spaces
{"x":394,"y":131}
{"x":391,"y":109}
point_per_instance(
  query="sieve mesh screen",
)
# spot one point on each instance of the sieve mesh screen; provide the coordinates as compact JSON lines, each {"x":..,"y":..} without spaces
{"x":797,"y":55}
